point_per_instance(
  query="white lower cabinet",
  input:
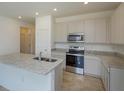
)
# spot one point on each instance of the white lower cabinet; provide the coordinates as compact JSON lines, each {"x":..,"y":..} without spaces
{"x":116,"y":79}
{"x":92,"y":66}
{"x":105,"y":77}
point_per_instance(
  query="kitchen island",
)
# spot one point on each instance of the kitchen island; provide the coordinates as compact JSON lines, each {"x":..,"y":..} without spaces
{"x":22,"y":72}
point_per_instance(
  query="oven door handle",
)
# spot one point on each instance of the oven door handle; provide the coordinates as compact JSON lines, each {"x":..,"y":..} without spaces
{"x":74,"y":54}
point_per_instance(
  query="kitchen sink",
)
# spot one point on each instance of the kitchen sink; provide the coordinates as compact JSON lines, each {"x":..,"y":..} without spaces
{"x":45,"y":59}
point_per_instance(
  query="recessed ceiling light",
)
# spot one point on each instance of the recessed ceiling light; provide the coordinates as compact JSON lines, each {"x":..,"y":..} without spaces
{"x":85,"y":2}
{"x":55,"y":9}
{"x":36,"y":13}
{"x":19,"y":17}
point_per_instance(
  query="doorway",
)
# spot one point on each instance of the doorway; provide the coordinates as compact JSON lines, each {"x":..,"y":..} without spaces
{"x":25,"y":40}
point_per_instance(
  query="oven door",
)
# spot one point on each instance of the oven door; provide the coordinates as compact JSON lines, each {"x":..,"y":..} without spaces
{"x":75,"y":63}
{"x":75,"y":60}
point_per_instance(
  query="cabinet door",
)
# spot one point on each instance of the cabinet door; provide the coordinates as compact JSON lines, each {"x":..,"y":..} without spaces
{"x":92,"y":66}
{"x":100,"y":30}
{"x":117,"y":26}
{"x":113,"y":34}
{"x":105,"y":77}
{"x":61,"y":32}
{"x":90,"y":30}
{"x":116,"y":79}
{"x":75,"y":27}
{"x":121,"y":20}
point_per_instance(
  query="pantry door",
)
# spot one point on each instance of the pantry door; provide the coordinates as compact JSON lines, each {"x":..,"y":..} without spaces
{"x":25,"y":40}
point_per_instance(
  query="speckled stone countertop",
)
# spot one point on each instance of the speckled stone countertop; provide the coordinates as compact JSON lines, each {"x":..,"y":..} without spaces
{"x":59,"y":51}
{"x":26,"y":62}
{"x":109,"y":59}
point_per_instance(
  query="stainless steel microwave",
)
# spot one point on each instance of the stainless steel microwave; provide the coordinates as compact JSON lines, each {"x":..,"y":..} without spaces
{"x":75,"y":37}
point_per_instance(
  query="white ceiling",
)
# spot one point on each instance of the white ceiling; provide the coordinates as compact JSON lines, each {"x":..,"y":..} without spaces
{"x":27,"y":10}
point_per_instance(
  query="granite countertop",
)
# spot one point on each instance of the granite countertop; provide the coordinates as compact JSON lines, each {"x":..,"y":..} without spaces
{"x":108,"y":59}
{"x":26,"y":62}
{"x":59,"y":51}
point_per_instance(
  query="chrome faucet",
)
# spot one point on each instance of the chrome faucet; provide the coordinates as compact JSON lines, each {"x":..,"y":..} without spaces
{"x":40,"y":56}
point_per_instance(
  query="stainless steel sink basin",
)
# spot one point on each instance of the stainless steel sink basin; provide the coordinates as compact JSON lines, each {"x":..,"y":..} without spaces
{"x":45,"y":59}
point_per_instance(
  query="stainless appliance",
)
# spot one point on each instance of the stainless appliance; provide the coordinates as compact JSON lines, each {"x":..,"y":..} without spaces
{"x":75,"y":60}
{"x":75,"y":37}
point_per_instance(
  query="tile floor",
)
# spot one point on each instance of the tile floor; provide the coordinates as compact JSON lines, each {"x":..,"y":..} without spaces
{"x":74,"y":82}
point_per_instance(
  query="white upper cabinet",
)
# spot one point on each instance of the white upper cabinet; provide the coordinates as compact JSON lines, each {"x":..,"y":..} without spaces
{"x":75,"y":26}
{"x":96,"y":30}
{"x":121,"y":21}
{"x":101,"y":30}
{"x":61,"y":32}
{"x":90,"y":31}
{"x":117,"y":26}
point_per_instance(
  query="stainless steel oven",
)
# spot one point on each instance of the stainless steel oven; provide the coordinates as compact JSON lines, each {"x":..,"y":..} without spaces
{"x":75,"y":60}
{"x":75,"y":37}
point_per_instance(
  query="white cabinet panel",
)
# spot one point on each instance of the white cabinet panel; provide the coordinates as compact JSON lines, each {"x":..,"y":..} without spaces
{"x":100,"y":30}
{"x":116,"y":79}
{"x":58,"y":77}
{"x":92,"y":66}
{"x":105,"y":77}
{"x":75,"y":27}
{"x":121,"y":20}
{"x":96,"y":30}
{"x":90,"y":30}
{"x":113,"y":34}
{"x":117,"y":26}
{"x":61,"y":32}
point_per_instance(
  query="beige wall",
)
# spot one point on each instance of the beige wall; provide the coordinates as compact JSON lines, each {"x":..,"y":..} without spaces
{"x":10,"y":35}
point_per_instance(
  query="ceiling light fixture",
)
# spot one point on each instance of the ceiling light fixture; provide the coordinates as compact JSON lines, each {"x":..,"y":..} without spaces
{"x":36,"y":13}
{"x":85,"y":2}
{"x":19,"y":17}
{"x":55,"y":9}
